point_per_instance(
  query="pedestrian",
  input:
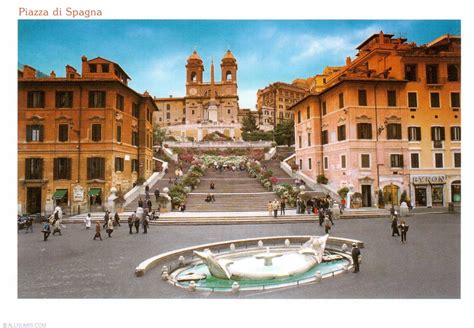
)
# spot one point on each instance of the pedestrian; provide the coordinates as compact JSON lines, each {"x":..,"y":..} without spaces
{"x":212,"y":186}
{"x":149,"y":204}
{"x":110,"y":228}
{"x":140,"y":202}
{"x":130,"y":221}
{"x":275,"y":206}
{"x":56,"y":223}
{"x":46,"y":230}
{"x":157,"y":194}
{"x":146,"y":221}
{"x":97,"y":231}
{"x":309,"y":206}
{"x":106,"y":219}
{"x":269,"y":206}
{"x":403,"y":229}
{"x":87,"y":221}
{"x":329,"y":214}
{"x":29,"y":225}
{"x":298,"y":205}
{"x":136,"y":222}
{"x":282,"y":206}
{"x":327,"y":224}
{"x":321,"y":217}
{"x":355,"y":257}
{"x":116,"y":219}
{"x":395,"y":226}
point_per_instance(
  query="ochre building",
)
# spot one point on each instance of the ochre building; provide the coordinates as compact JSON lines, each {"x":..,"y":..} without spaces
{"x":79,"y":136}
{"x":388,"y":120}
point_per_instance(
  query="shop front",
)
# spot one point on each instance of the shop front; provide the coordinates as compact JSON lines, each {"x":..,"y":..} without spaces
{"x":429,"y":190}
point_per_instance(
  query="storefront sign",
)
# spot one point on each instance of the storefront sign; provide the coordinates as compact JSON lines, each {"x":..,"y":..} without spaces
{"x":78,"y":193}
{"x":428,"y":179}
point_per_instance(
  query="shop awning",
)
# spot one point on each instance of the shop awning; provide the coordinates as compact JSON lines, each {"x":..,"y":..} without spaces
{"x":59,"y":193}
{"x":94,"y":191}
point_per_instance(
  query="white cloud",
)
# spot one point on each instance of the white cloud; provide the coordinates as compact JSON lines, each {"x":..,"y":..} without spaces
{"x":247,"y":98}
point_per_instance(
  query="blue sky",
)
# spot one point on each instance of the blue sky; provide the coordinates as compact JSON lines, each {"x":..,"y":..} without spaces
{"x":154,"y":52}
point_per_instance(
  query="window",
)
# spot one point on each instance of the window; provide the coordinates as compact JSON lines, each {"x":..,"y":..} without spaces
{"x":33,"y":168}
{"x":168,"y":106}
{"x":432,"y":74}
{"x":134,"y":165}
{"x":135,"y":110}
{"x":457,"y":159}
{"x":326,"y":163}
{"x":119,"y":164}
{"x":394,"y":131}
{"x":168,"y":115}
{"x":228,"y":76}
{"x":119,"y":133}
{"x":391,"y":98}
{"x":308,"y":113}
{"x":437,"y":136}
{"x":301,"y":164}
{"x":63,"y":132}
{"x":34,"y":132}
{"x":453,"y":73}
{"x":309,"y":139}
{"x":343,"y":161}
{"x":324,"y":137}
{"x":414,"y":133}
{"x":299,"y":142}
{"x":455,"y":133}
{"x":35,"y":99}
{"x":415,"y":160}
{"x":64,"y":99}
{"x":299,"y":116}
{"x":365,"y":161}
{"x":193,"y":77}
{"x":119,"y":102}
{"x":412,"y":100}
{"x":434,"y":100}
{"x":134,"y":138}
{"x":324,"y":108}
{"x":341,"y":132}
{"x":438,"y":160}
{"x":105,"y":68}
{"x":396,"y":160}
{"x":309,"y":164}
{"x":96,"y":132}
{"x":455,"y":100}
{"x":410,"y":72}
{"x":62,"y":169}
{"x":95,"y":168}
{"x":362,"y":97}
{"x":364,"y":131}
{"x":341,"y":100}
{"x":93,"y":68}
{"x":96,"y":99}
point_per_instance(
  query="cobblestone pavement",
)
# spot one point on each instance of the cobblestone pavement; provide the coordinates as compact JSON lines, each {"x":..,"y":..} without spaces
{"x":75,"y":266}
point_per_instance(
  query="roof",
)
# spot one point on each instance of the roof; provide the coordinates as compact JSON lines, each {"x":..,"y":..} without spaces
{"x":116,"y":65}
{"x":445,"y":37}
{"x":371,"y":38}
{"x":228,"y":55}
{"x":194,"y":55}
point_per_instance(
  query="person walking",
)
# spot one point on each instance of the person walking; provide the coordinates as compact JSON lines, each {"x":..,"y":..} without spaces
{"x":130,"y":220}
{"x":403,"y":229}
{"x":29,"y":225}
{"x":395,"y":226}
{"x":275,"y":206}
{"x":87,"y":221}
{"x":157,"y":195}
{"x":146,"y":221}
{"x":136,"y":222}
{"x":110,"y":228}
{"x":46,"y":230}
{"x":269,"y":207}
{"x":106,"y":219}
{"x":149,"y":204}
{"x":355,"y":253}
{"x":56,"y":223}
{"x":327,"y":224}
{"x":309,"y":206}
{"x":321,"y":217}
{"x":116,"y":219}
{"x":282,"y":206}
{"x":97,"y":231}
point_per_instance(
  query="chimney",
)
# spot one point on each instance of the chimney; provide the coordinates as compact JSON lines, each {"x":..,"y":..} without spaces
{"x":348,"y":60}
{"x":381,"y":38}
{"x":52,"y":75}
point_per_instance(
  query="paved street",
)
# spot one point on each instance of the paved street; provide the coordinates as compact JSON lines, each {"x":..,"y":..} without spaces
{"x":75,"y":266}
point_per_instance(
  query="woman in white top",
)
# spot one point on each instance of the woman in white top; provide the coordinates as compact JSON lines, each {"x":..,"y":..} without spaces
{"x":87,"y":221}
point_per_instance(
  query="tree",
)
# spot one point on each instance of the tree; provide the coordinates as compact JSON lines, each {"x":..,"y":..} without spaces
{"x":285,"y":133}
{"x":249,"y":123}
{"x":160,"y":135}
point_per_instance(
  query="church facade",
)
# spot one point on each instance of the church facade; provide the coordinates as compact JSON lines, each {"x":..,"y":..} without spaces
{"x":207,"y":106}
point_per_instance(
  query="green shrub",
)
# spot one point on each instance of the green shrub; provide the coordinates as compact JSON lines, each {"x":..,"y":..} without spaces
{"x":322,"y":179}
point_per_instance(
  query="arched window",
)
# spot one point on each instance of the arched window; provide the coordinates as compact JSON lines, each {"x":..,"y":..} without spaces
{"x":228,"y":76}
{"x":193,"y":77}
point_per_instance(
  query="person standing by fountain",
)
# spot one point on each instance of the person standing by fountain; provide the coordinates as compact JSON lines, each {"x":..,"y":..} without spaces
{"x":355,"y":257}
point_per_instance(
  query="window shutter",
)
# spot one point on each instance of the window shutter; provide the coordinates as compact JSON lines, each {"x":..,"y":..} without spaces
{"x":41,"y":132}
{"x":27,"y":168}
{"x":418,"y":133}
{"x":89,"y":168}
{"x":442,"y":133}
{"x":433,"y":136}
{"x":68,"y":168}
{"x":369,"y":127}
{"x":102,"y":168}
{"x":28,"y":133}
{"x":40,"y":168}
{"x":55,"y":169}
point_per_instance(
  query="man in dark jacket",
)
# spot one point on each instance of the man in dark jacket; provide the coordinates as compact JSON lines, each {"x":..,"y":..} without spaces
{"x":355,"y":257}
{"x":395,"y":226}
{"x":157,"y":195}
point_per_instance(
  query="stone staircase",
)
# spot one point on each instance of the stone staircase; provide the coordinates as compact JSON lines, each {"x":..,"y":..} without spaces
{"x":160,"y":184}
{"x":234,"y":191}
{"x":283,"y":152}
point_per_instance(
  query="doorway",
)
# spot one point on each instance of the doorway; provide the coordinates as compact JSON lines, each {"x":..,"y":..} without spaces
{"x":366,"y":196}
{"x":390,"y":194}
{"x":420,"y":196}
{"x":33,"y":200}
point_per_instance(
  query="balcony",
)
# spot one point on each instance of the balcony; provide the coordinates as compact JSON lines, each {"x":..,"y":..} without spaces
{"x":437,"y":144}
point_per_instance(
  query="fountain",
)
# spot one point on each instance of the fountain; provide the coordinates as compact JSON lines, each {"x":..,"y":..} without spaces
{"x":268,"y":257}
